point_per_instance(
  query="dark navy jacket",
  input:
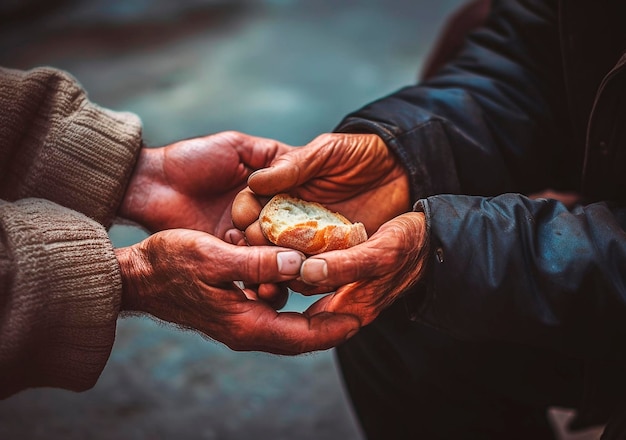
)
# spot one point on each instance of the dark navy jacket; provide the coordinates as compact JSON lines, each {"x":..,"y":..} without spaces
{"x":535,"y":100}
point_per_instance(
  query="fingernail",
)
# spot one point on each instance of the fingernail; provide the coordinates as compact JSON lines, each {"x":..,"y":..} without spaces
{"x":233,"y":236}
{"x":314,"y":270}
{"x":289,"y":262}
{"x":262,"y":170}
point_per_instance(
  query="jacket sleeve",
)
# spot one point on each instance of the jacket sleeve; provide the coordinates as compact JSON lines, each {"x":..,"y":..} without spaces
{"x":64,"y":166}
{"x":492,"y":122}
{"x":528,"y":271}
{"x":489,"y":121}
{"x":57,"y":145}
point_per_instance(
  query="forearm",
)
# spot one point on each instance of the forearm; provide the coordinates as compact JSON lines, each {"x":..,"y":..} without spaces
{"x":58,"y":146}
{"x":60,"y":297}
{"x":528,"y":271}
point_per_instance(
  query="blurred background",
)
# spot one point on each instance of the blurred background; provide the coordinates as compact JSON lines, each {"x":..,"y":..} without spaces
{"x":285,"y":69}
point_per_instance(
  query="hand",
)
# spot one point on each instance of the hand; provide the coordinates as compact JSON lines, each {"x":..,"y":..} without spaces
{"x":186,"y":277}
{"x":192,"y":183}
{"x":354,"y":174}
{"x":369,"y":277}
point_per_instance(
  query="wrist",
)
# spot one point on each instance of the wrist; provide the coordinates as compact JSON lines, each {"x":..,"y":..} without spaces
{"x":135,"y":271}
{"x":146,"y":174}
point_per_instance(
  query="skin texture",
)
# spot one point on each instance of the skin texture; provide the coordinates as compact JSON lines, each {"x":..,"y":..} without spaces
{"x":347,"y":173}
{"x":191,"y":183}
{"x":185,"y":274}
{"x":369,"y":277}
{"x":356,"y":175}
{"x":185,"y":277}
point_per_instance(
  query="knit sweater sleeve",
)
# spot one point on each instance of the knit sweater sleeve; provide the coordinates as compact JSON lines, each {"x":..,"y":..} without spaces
{"x":64,"y":166}
{"x":57,"y":145}
{"x":60,"y":291}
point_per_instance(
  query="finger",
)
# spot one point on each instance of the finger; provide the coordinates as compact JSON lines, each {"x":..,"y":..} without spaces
{"x":292,"y":333}
{"x":247,"y":291}
{"x":383,"y":254}
{"x":276,"y":295}
{"x":305,"y":289}
{"x":250,"y":264}
{"x":246,"y":209}
{"x":322,"y":305}
{"x":258,"y":152}
{"x":341,"y":267}
{"x":290,"y":170}
{"x":235,"y":236}
{"x":255,"y":236}
{"x":354,"y":300}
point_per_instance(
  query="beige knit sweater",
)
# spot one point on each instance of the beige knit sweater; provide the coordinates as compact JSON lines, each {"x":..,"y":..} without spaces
{"x":64,"y":165}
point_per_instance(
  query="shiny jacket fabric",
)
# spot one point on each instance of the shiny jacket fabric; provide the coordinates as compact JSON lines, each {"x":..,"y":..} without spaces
{"x":536,"y":99}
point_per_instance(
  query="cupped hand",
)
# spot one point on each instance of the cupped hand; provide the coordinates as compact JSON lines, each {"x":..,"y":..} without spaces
{"x":369,"y":277}
{"x":192,"y":183}
{"x":188,"y":278}
{"x":354,"y":174}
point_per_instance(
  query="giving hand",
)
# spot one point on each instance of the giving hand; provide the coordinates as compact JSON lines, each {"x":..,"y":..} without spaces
{"x":354,"y":174}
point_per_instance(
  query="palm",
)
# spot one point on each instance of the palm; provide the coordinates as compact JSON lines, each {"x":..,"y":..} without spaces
{"x":192,"y":183}
{"x":205,"y":177}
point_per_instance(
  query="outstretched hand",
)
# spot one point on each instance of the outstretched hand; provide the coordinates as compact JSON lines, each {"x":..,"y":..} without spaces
{"x":192,"y":183}
{"x":369,"y":277}
{"x":185,"y":277}
{"x":354,"y":174}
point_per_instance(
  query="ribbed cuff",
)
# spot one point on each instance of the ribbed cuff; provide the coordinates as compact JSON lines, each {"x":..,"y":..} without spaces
{"x":57,"y":325}
{"x":70,"y":150}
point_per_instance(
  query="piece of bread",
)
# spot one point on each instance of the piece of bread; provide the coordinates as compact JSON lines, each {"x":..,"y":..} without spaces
{"x":308,"y":226}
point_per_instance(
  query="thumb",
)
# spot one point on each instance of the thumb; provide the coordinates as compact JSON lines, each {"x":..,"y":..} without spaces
{"x":385,"y":253}
{"x":259,"y":264}
{"x":337,"y":268}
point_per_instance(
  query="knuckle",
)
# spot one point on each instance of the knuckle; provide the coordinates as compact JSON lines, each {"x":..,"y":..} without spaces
{"x":253,"y":264}
{"x":325,"y":138}
{"x":234,"y":135}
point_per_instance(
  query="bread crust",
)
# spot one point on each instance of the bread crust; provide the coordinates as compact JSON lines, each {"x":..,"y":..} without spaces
{"x":308,"y":226}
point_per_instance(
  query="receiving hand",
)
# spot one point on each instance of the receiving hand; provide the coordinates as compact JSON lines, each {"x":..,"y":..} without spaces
{"x":354,"y":174}
{"x":192,"y":183}
{"x":186,"y":277}
{"x":369,"y":277}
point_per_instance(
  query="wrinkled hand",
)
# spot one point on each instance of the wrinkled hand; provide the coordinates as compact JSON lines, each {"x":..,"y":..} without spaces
{"x":185,"y":277}
{"x":354,"y":174}
{"x":192,"y":183}
{"x":369,"y":277}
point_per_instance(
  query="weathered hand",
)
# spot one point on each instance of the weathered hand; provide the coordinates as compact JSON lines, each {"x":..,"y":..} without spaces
{"x":192,"y":183}
{"x":186,"y":277}
{"x":354,"y":174}
{"x":371,"y":276}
